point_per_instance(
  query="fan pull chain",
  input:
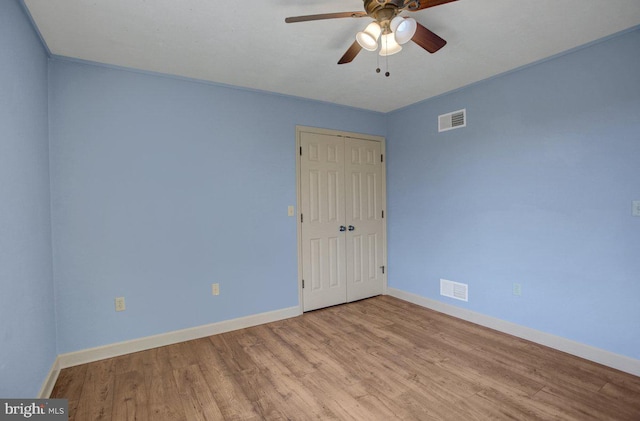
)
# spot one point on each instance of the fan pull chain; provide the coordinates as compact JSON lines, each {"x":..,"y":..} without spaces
{"x":387,"y":65}
{"x":386,"y":59}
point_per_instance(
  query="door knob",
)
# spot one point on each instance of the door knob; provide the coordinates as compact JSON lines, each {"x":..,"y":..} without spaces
{"x":351,"y":228}
{"x":343,"y":228}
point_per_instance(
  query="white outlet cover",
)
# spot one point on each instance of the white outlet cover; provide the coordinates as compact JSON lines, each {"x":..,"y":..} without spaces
{"x":291,"y":211}
{"x":120,"y":305}
{"x":517,"y":289}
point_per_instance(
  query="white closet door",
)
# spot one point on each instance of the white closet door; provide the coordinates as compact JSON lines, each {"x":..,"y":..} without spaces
{"x":323,"y":211}
{"x":365,"y":224}
{"x":342,"y":227}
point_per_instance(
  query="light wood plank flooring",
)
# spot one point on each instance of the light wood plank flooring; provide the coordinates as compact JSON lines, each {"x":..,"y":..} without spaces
{"x":377,"y":359}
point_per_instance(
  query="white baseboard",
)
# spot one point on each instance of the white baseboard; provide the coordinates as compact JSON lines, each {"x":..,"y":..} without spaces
{"x":135,"y":345}
{"x":610,"y":359}
{"x":50,"y":380}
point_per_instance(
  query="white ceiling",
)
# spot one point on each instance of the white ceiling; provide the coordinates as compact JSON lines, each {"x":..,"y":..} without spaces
{"x":249,"y":44}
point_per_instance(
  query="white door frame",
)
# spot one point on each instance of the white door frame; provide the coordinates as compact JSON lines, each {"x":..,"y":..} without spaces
{"x":306,"y":129}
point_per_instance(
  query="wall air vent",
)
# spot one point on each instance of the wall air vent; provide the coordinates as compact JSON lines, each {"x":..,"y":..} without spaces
{"x":454,"y":290}
{"x":453,"y":120}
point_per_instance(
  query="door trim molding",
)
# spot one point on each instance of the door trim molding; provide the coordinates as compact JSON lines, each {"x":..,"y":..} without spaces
{"x":340,"y":133}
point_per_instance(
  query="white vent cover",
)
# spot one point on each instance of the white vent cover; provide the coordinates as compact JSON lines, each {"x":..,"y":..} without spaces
{"x":454,"y":290}
{"x":453,"y":120}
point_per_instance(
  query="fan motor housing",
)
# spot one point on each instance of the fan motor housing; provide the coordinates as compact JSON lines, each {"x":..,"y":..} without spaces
{"x":383,"y":11}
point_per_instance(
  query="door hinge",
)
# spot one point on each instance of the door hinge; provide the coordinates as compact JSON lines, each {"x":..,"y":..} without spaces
{"x":381,"y":158}
{"x":303,"y":284}
{"x":301,"y":218}
{"x":300,"y":150}
{"x":382,"y":214}
{"x":382,"y":267}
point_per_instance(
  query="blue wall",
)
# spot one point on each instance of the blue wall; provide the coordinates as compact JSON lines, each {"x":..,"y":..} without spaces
{"x":537,"y":189}
{"x":27,"y":317}
{"x":162,"y":186}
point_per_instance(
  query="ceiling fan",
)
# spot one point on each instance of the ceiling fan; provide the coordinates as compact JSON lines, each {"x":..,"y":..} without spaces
{"x":392,"y":29}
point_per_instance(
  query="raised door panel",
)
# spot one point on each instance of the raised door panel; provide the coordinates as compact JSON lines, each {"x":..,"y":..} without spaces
{"x":323,"y":209}
{"x":364,"y":201}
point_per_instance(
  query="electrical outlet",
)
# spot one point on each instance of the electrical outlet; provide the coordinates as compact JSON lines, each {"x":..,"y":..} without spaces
{"x":517,"y":289}
{"x":636,"y":208}
{"x":215,"y":289}
{"x":291,"y":211}
{"x":120,"y":304}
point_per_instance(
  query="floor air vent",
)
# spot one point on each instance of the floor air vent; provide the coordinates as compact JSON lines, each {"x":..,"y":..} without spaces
{"x":454,"y":290}
{"x":453,"y":120}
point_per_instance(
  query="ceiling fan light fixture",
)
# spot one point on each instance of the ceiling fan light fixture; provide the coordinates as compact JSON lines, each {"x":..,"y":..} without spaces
{"x":368,"y":39}
{"x":403,"y":29}
{"x":389,"y":45}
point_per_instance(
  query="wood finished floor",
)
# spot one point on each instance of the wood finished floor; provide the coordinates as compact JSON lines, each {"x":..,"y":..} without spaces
{"x":377,"y":359}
